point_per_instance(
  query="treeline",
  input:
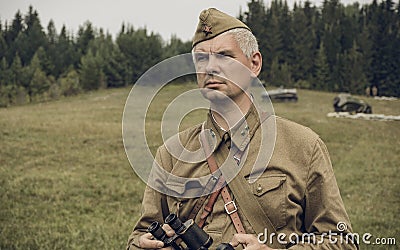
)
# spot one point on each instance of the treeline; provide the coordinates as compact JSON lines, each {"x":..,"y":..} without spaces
{"x":331,"y":48}
{"x":38,"y":65}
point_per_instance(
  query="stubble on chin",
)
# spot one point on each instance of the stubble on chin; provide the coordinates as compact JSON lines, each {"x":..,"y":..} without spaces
{"x":214,"y":96}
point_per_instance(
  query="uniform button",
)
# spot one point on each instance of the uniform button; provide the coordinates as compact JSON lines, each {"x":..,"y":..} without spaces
{"x":243,"y":133}
{"x":247,"y":128}
{"x":212,"y":133}
{"x":259,"y":188}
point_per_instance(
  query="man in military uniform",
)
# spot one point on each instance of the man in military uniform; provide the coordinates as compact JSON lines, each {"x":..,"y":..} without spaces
{"x":295,"y":194}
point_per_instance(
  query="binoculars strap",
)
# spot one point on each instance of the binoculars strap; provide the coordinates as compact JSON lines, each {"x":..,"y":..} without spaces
{"x":220,"y":188}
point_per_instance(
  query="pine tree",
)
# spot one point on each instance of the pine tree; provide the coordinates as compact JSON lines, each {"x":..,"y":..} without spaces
{"x":11,"y":35}
{"x":19,"y":82}
{"x":65,"y":55}
{"x":364,"y":43}
{"x":337,"y":74}
{"x":274,"y":74}
{"x":3,"y":44}
{"x":280,"y":74}
{"x":274,"y":37}
{"x":91,"y":74}
{"x":384,"y":66}
{"x":39,"y":83}
{"x":5,"y":76}
{"x":69,"y":84}
{"x":52,"y":36}
{"x":16,"y":27}
{"x":356,"y":80}
{"x":256,"y":19}
{"x":17,"y":72}
{"x":285,"y":22}
{"x":322,"y":76}
{"x":304,"y":43}
{"x":175,"y":47}
{"x":46,"y":64}
{"x":50,"y":53}
{"x":141,"y":50}
{"x":32,"y":38}
{"x":116,"y":69}
{"x":85,"y":36}
{"x":331,"y":34}
{"x":113,"y":62}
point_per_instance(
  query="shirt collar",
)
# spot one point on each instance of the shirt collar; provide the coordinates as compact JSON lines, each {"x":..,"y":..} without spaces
{"x":240,"y":134}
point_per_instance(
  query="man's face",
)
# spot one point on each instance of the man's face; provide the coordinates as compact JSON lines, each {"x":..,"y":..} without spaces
{"x":223,"y":70}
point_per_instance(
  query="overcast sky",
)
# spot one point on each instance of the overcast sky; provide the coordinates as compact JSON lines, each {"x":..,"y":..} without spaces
{"x":165,"y":17}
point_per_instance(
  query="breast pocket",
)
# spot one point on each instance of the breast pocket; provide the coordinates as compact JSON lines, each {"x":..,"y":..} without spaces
{"x":270,"y":192}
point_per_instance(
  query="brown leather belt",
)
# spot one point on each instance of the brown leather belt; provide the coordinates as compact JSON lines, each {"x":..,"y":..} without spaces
{"x":220,"y":188}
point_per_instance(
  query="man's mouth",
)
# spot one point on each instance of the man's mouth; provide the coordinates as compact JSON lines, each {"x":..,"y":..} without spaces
{"x":212,"y":84}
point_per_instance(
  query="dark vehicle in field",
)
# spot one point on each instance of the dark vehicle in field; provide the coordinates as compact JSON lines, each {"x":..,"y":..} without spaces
{"x":281,"y":94}
{"x":347,"y":103}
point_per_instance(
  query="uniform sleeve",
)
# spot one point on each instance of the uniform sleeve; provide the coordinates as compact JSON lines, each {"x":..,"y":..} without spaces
{"x":325,"y":214}
{"x":151,"y":210}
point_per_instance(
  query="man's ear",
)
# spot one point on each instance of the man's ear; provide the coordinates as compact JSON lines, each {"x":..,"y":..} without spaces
{"x":256,"y":64}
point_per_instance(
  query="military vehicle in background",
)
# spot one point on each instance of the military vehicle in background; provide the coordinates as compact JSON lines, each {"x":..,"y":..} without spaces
{"x":281,"y":94}
{"x":347,"y":103}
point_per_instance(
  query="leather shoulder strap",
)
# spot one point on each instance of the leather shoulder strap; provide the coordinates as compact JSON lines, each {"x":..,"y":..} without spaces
{"x":164,"y":206}
{"x":249,"y":205}
{"x":251,"y":208}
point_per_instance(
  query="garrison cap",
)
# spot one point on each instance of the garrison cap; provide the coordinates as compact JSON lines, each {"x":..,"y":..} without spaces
{"x":213,"y":22}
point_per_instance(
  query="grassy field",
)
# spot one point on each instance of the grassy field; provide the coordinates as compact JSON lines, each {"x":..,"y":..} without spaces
{"x":65,"y":181}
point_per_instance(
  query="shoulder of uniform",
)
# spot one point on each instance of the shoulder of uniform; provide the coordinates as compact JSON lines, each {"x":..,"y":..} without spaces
{"x":190,"y":133}
{"x":195,"y":129}
{"x":186,"y":137}
{"x":294,"y":143}
{"x":294,"y":130}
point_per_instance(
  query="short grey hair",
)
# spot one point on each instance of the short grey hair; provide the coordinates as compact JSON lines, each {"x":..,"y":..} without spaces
{"x":246,"y":40}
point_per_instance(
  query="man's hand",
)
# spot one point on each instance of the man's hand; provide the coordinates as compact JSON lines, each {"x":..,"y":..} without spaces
{"x":249,"y":242}
{"x":147,"y":240}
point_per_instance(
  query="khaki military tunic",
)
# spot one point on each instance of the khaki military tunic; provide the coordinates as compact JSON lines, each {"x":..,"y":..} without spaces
{"x":297,"y":190}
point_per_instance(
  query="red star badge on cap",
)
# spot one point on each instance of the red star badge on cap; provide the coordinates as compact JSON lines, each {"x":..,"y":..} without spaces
{"x":207,"y":29}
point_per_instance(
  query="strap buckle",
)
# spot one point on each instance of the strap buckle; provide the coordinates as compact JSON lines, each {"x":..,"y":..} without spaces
{"x":227,"y":209}
{"x":237,"y":159}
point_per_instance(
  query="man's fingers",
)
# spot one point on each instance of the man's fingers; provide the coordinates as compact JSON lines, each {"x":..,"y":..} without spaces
{"x":168,"y":230}
{"x":244,"y":239}
{"x":249,"y":241}
{"x":147,"y":241}
{"x":238,"y":239}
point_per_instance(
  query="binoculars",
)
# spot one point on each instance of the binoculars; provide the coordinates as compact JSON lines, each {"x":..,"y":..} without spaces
{"x":189,"y":232}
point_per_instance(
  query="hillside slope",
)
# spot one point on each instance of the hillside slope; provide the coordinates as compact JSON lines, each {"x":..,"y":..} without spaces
{"x":65,"y":181}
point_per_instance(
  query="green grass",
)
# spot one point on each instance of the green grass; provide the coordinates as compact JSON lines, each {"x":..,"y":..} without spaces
{"x":65,"y":181}
{"x":366,"y":160}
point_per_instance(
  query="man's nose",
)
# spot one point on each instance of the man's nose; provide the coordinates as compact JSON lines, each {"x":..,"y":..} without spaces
{"x":212,"y":65}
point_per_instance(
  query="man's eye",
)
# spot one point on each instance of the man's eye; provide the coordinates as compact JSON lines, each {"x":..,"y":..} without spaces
{"x":201,"y":57}
{"x":222,"y":56}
